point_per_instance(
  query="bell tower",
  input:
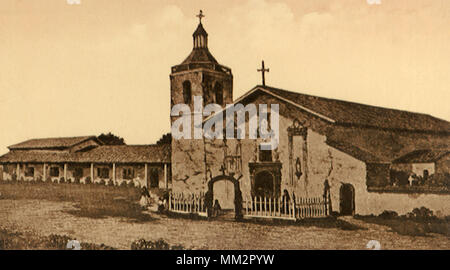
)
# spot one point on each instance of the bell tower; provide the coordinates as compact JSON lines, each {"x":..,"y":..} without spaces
{"x":200,"y":75}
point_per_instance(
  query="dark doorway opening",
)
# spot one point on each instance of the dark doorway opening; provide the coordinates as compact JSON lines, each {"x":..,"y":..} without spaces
{"x":264,"y":184}
{"x":347,"y":199}
{"x":154,"y":178}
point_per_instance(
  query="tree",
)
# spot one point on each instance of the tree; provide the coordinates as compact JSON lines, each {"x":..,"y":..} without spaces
{"x":165,"y":139}
{"x":111,"y":139}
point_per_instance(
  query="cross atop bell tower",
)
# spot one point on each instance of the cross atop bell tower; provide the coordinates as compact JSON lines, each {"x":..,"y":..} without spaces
{"x":199,"y":78}
{"x":200,"y":16}
{"x":201,"y":75}
{"x":200,"y":35}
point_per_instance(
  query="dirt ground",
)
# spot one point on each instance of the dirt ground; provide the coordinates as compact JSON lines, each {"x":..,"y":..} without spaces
{"x":45,"y":218}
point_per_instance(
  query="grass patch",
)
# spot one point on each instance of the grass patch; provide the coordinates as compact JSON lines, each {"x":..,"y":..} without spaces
{"x":411,"y":226}
{"x":325,"y":222}
{"x":94,"y":201}
{"x":330,"y":222}
{"x":11,"y":240}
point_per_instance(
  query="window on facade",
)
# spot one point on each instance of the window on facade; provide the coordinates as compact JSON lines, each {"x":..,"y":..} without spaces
{"x":128,"y":173}
{"x":103,"y":172}
{"x":264,"y":123}
{"x":78,"y":173}
{"x":218,"y":90}
{"x":29,"y":172}
{"x":265,"y":155}
{"x":54,"y":171}
{"x":187,"y":92}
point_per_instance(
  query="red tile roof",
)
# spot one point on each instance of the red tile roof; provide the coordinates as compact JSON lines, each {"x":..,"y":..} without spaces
{"x":100,"y":154}
{"x":51,"y":143}
{"x":422,"y":156}
{"x":356,"y":114}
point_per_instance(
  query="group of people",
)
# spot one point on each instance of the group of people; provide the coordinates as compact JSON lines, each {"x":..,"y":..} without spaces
{"x":148,"y":198}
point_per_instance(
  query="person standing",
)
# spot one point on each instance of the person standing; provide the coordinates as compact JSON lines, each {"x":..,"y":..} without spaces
{"x":145,"y":196}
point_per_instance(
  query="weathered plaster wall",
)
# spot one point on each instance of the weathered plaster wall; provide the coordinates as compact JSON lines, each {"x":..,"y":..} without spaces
{"x":418,"y":168}
{"x":188,"y":166}
{"x":189,"y":163}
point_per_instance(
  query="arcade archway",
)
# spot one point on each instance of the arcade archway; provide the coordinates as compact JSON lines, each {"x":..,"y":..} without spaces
{"x":209,"y":197}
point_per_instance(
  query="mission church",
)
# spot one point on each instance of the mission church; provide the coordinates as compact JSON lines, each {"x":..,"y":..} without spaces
{"x":365,"y":159}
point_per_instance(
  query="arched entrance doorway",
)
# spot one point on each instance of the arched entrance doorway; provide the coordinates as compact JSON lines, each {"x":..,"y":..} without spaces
{"x":347,"y":199}
{"x":211,"y":194}
{"x":224,"y":194}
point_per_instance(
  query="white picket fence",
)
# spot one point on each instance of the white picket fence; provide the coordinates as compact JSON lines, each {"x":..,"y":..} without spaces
{"x":187,"y":204}
{"x":300,"y":208}
{"x":256,"y":207}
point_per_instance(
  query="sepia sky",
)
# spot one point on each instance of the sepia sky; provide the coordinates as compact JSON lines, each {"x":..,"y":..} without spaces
{"x":104,"y":65}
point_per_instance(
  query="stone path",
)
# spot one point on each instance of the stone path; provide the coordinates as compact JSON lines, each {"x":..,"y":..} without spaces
{"x":46,"y":217}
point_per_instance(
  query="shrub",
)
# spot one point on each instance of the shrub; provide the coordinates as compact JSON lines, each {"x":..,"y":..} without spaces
{"x":439,"y":227}
{"x":57,"y":241}
{"x":88,"y":180}
{"x":101,"y":182}
{"x":387,"y":214}
{"x":421,"y":213}
{"x":110,"y":182}
{"x":76,"y":180}
{"x":62,"y":180}
{"x":90,"y":246}
{"x":18,"y":240}
{"x":160,"y":244}
{"x":14,"y":177}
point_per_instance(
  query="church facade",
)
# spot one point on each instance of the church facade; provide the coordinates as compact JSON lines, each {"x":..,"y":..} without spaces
{"x":327,"y":147}
{"x":365,"y":159}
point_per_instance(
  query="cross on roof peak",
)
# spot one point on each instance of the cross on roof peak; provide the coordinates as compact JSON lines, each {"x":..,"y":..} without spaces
{"x":200,"y":16}
{"x":263,"y":70}
{"x":223,"y":169}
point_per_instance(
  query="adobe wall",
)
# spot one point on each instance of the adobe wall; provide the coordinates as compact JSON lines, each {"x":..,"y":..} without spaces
{"x":188,"y":166}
